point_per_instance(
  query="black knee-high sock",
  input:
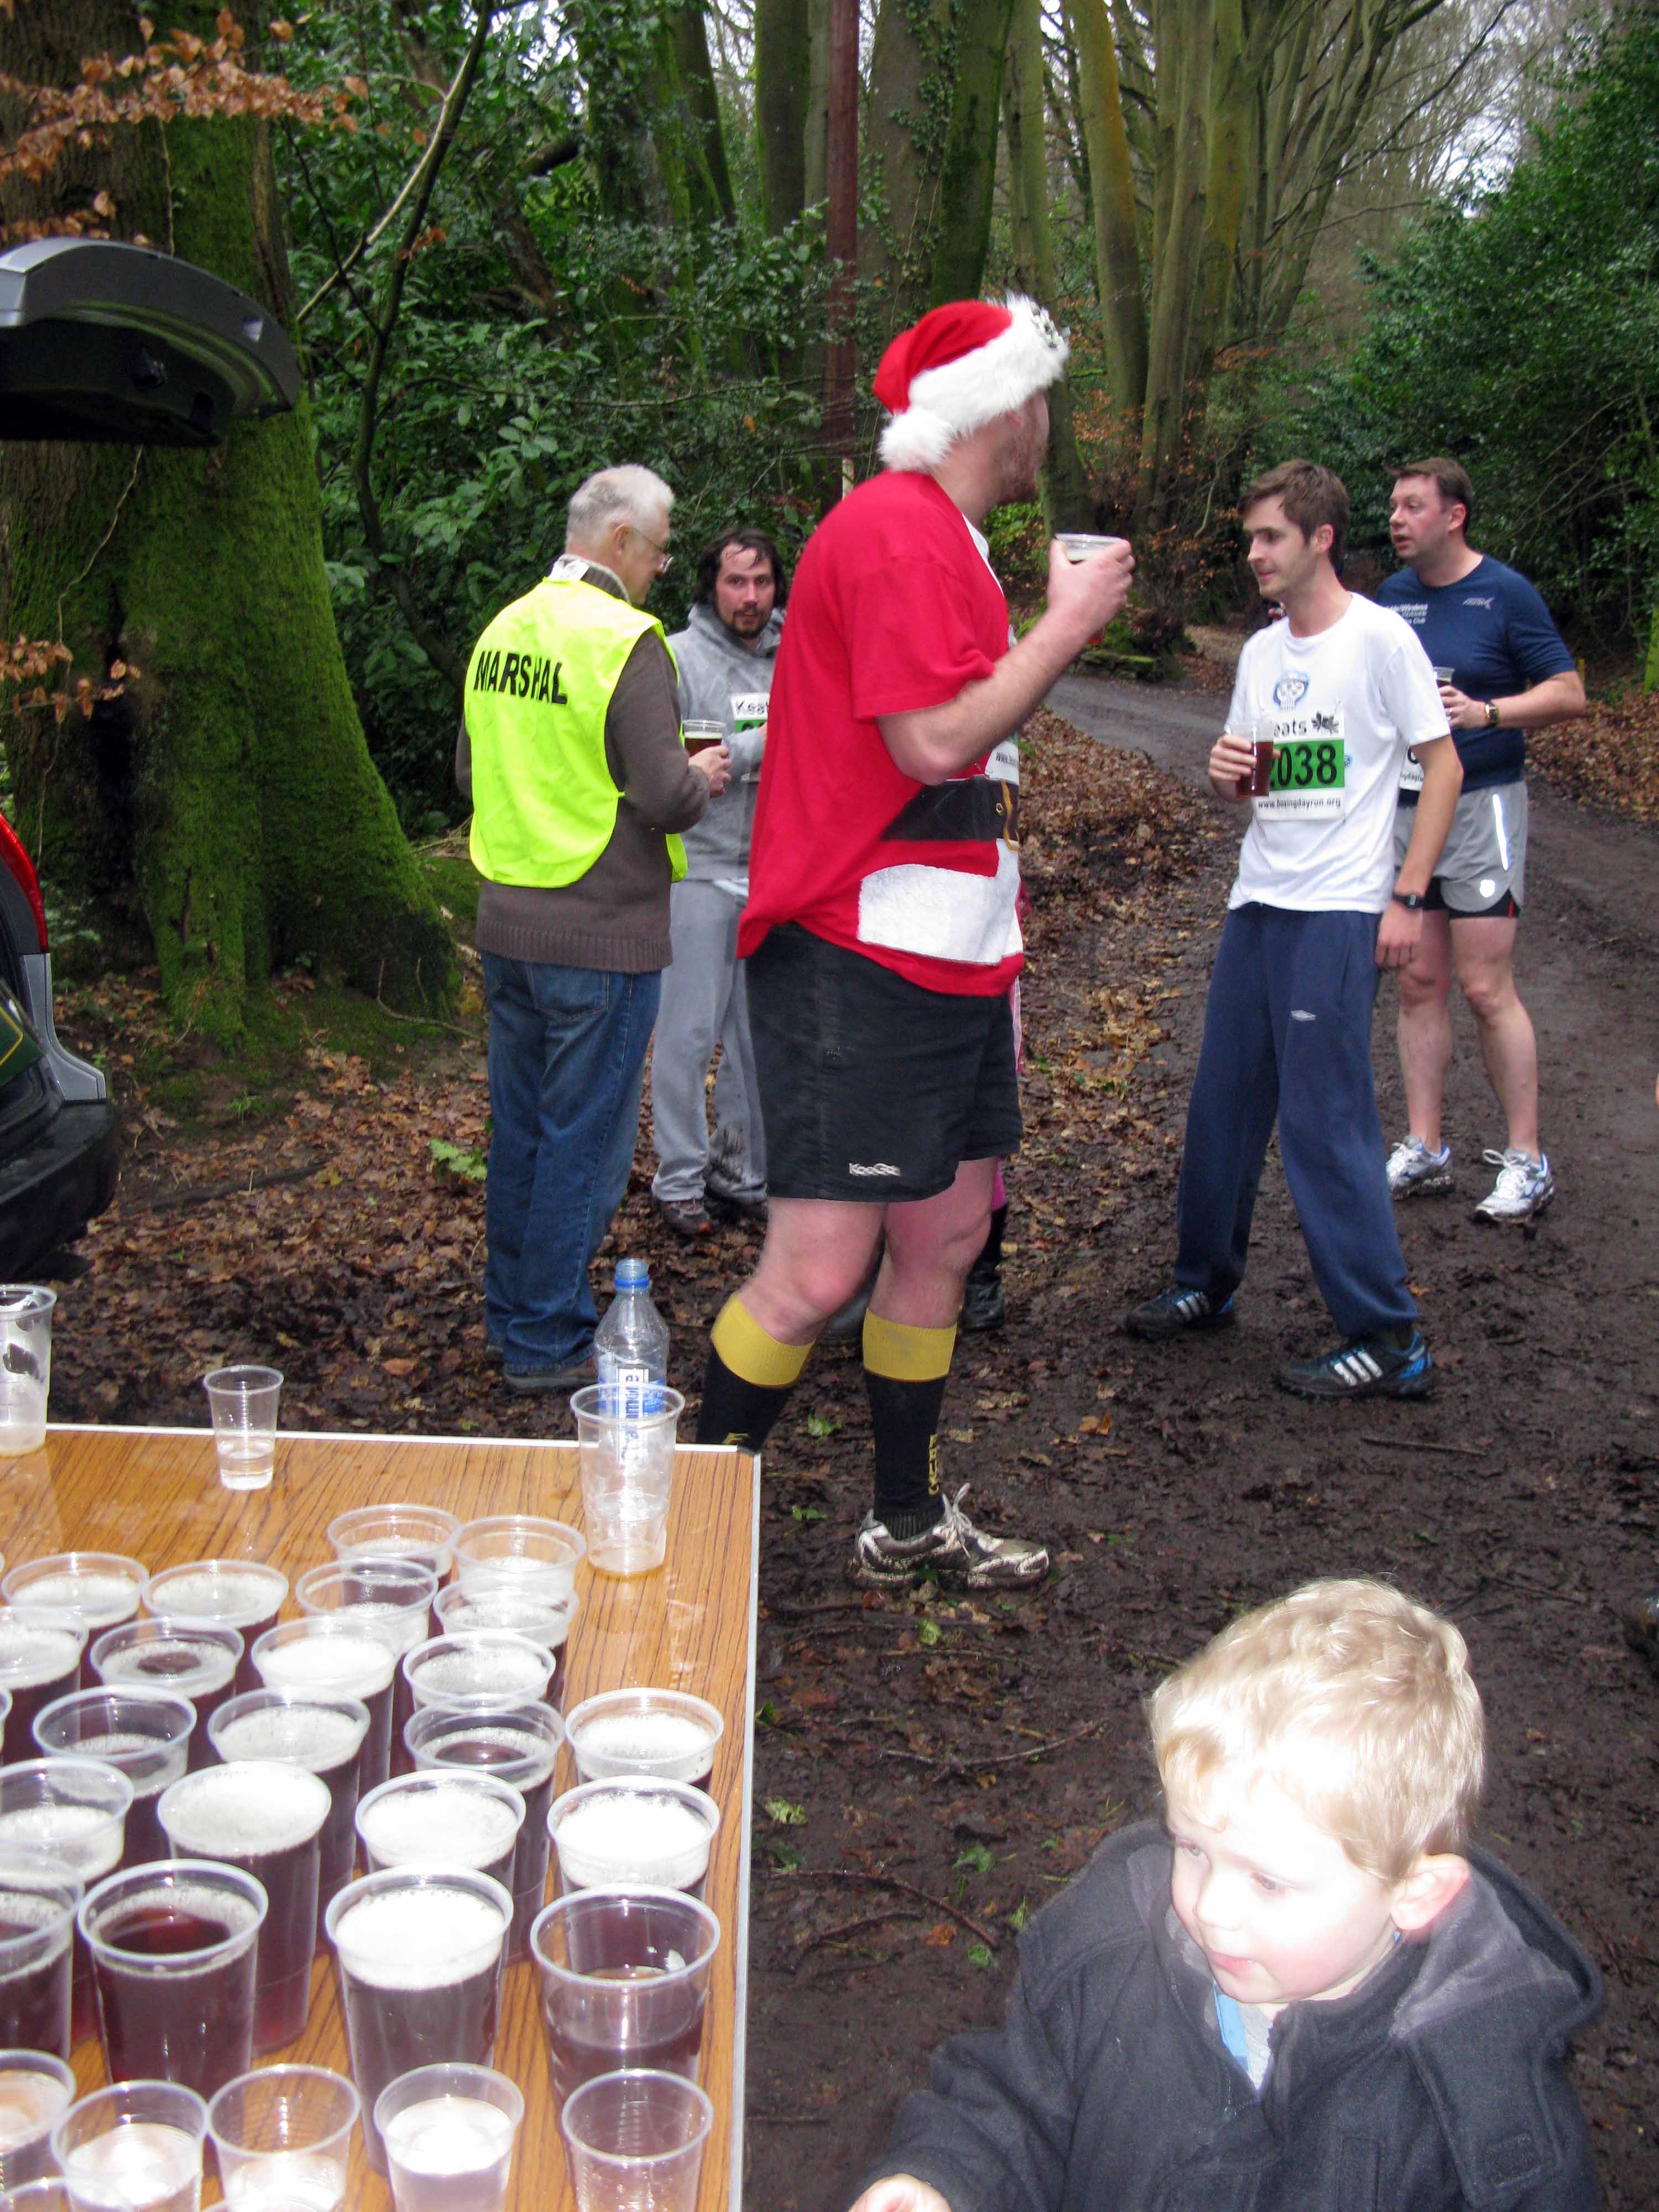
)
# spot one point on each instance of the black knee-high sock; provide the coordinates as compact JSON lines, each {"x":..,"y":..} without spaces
{"x":749,"y":1380}
{"x":905,"y":1371}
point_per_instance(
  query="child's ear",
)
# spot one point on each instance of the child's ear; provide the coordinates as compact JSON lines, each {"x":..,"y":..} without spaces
{"x":1424,"y":1894}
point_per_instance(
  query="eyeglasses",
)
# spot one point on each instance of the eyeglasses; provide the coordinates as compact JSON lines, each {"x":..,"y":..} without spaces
{"x":664,"y":558}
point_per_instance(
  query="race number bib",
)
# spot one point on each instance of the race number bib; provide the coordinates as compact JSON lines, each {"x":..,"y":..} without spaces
{"x":1411,"y":775}
{"x":1310,"y":778}
{"x":748,"y":709}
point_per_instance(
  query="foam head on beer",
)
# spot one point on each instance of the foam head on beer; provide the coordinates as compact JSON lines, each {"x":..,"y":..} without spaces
{"x":617,"y":1836}
{"x":465,"y":1822}
{"x":357,"y":1663}
{"x":247,"y":1809}
{"x":422,"y":1937}
{"x":315,"y":1736}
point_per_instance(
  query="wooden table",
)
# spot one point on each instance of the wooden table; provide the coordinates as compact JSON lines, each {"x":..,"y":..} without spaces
{"x":155,"y":1495}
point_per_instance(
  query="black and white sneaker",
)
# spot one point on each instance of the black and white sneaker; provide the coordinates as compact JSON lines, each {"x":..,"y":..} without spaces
{"x":953,"y":1549}
{"x":1175,"y":1312}
{"x":1363,"y":1367}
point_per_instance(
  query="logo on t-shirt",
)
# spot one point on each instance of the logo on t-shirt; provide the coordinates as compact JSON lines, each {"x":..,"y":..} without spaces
{"x":1291,"y":689}
{"x":1485,"y":603}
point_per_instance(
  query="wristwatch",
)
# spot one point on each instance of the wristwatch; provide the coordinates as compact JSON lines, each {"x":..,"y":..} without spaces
{"x":1493,"y":719}
{"x":1411,"y":901}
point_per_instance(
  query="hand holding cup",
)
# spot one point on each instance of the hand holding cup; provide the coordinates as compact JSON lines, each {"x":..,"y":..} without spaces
{"x":1089,"y":578}
{"x":1232,"y":763}
{"x":715,"y":763}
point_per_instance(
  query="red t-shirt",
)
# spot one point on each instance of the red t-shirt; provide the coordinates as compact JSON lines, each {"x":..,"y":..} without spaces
{"x":892,"y":609}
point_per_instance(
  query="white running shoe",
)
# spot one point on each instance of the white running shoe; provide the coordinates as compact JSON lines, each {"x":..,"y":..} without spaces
{"x":1524,"y":1187}
{"x":953,"y":1549}
{"x":1414,"y":1170}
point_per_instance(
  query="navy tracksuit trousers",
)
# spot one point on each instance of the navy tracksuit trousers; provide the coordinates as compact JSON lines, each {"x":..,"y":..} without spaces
{"x":1287,"y":1034}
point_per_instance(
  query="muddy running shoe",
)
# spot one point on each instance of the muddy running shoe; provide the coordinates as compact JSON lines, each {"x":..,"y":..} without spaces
{"x":1414,"y":1170}
{"x":686,"y":1217}
{"x":1524,"y":1187}
{"x":983,"y":1305}
{"x":953,"y":1549}
{"x":1176,"y":1312}
{"x":1363,"y":1367}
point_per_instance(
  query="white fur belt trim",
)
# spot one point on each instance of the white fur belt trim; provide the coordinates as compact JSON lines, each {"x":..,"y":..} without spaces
{"x":942,"y":915}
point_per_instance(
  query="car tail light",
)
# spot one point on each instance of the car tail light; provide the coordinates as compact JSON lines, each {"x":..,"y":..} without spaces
{"x":22,"y":870}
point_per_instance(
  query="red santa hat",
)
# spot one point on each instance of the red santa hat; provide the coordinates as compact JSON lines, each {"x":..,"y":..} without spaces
{"x":960,"y":366}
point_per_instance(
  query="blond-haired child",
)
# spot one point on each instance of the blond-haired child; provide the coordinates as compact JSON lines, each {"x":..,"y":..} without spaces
{"x":1305,"y":1992}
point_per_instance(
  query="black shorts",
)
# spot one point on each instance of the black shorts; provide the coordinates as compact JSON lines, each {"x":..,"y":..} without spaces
{"x":873,"y":1090}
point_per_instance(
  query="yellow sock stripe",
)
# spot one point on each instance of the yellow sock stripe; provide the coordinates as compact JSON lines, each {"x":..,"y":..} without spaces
{"x":751,"y":1354}
{"x":904,"y":1354}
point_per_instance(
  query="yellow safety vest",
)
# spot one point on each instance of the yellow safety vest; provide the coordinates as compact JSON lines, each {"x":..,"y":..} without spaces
{"x":538,"y":687}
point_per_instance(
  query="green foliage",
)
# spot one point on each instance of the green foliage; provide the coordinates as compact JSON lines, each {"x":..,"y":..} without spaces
{"x":1521,"y":334}
{"x":461,"y":1160}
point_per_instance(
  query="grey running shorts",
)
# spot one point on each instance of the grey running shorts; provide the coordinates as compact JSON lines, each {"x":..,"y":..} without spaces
{"x":1482,"y":870}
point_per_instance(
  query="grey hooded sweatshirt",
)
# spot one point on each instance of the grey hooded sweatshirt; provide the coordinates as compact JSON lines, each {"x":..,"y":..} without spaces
{"x":722,"y":680}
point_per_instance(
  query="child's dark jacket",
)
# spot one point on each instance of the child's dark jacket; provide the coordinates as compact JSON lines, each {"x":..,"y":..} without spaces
{"x":1438,"y":2084}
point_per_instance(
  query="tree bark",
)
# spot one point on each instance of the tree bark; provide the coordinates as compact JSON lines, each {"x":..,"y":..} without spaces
{"x":227,"y":795}
{"x":696,"y":113}
{"x":1184,"y":29}
{"x":783,"y":77}
{"x":905,"y":137}
{"x":1117,"y":254}
{"x":967,"y":179}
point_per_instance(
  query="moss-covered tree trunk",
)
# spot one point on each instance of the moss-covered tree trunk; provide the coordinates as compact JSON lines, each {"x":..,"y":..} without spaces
{"x":226,"y":796}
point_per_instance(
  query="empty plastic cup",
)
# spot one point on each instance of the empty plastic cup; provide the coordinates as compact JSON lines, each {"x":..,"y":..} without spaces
{"x":449,"y":2132}
{"x":635,"y":2139}
{"x":282,"y":2138}
{"x":243,"y":1403}
{"x":425,"y":1534}
{"x":25,"y":1366}
{"x":518,"y":1551}
{"x":625,"y":1440}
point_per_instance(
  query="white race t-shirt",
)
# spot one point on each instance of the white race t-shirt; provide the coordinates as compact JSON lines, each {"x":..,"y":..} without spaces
{"x":1342,"y":707}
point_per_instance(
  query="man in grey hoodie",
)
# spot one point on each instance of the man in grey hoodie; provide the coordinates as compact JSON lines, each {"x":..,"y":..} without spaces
{"x":725,"y":656}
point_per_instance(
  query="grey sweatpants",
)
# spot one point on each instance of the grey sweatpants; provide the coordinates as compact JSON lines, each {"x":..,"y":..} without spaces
{"x":704,"y":998}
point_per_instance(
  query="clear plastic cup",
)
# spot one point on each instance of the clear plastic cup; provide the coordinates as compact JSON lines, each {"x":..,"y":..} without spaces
{"x":25,"y":1366}
{"x":341,"y":1658}
{"x":245,"y":1594}
{"x":635,"y":2139}
{"x":547,"y":1621}
{"x":39,"y":1660}
{"x":624,"y":1977}
{"x":478,"y":1669}
{"x":463,"y":1820}
{"x":662,"y":1735}
{"x":419,"y":1951}
{"x":1083,"y":545}
{"x":520,"y":1746}
{"x":521,"y":1552}
{"x":625,"y":1435}
{"x":627,"y":1834}
{"x":699,"y":735}
{"x":425,"y":1534}
{"x":174,"y":1948}
{"x":195,"y":1661}
{"x":49,"y":2194}
{"x":75,"y":1812}
{"x":36,"y":2089}
{"x":392,"y":1597}
{"x":92,"y":1590}
{"x":243,"y":1403}
{"x":266,"y":1818}
{"x":449,"y":2133}
{"x":39,"y":1900}
{"x":142,"y":1734}
{"x":136,"y":2147}
{"x":323,"y":1734}
{"x":283,"y":2138}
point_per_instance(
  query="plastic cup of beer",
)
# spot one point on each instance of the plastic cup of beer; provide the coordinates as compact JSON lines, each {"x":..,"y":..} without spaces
{"x":39,"y":1900}
{"x":546,"y":1621}
{"x":25,"y":1367}
{"x":142,"y":1734}
{"x":461,"y":1819}
{"x":267,"y":1819}
{"x":283,"y":2137}
{"x":1083,"y":545}
{"x":320,"y":1734}
{"x":245,"y":1594}
{"x":521,"y":1552}
{"x":662,"y":1735}
{"x":478,"y":1669}
{"x":627,"y":1834}
{"x":519,"y":1747}
{"x":634,"y":2139}
{"x":393,"y":1597}
{"x":243,"y":1403}
{"x":449,"y":2133}
{"x":624,"y":1981}
{"x":197,"y":1662}
{"x":36,"y":2089}
{"x":419,"y":1951}
{"x":39,"y":1661}
{"x":174,"y":1949}
{"x":93,"y":1590}
{"x":1258,"y":783}
{"x":136,"y":2147}
{"x":424,"y":1534}
{"x":699,"y":735}
{"x":75,"y":1811}
{"x":341,"y":1658}
{"x":625,"y":1442}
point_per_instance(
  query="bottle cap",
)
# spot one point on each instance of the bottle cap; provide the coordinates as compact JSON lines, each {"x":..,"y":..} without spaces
{"x":632,"y":1275}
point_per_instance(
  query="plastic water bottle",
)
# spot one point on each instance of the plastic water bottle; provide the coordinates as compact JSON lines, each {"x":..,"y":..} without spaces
{"x":630,"y":1345}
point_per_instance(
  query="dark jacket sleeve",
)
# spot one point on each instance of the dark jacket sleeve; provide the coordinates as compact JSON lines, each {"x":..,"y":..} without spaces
{"x":649,"y":763}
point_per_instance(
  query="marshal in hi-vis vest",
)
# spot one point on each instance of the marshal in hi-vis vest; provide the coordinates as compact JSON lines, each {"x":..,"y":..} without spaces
{"x":539,"y":688}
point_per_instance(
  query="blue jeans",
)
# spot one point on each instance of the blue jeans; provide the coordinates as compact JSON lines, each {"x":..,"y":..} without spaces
{"x":567,"y":1064}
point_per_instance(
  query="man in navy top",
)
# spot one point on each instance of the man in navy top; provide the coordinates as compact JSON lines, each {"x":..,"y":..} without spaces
{"x":1502,"y":669}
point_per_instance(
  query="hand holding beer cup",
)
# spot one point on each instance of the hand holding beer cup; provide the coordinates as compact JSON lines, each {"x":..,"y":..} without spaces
{"x":715,"y":763}
{"x":1090,"y":585}
{"x":1233,"y":762}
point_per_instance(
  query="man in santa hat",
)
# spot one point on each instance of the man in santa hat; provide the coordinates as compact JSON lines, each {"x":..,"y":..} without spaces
{"x":881,"y":934}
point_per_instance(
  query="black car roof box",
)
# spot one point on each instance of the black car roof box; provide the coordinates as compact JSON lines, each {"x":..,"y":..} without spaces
{"x":105,"y":340}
